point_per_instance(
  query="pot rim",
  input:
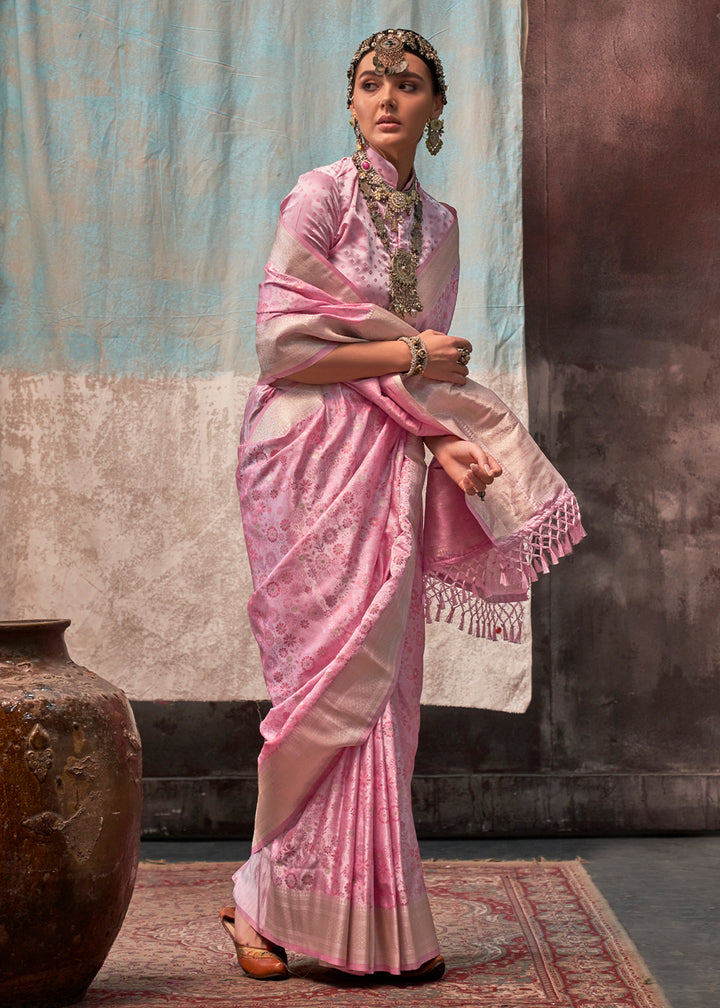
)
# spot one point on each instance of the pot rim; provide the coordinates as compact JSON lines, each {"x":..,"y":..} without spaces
{"x":40,"y":624}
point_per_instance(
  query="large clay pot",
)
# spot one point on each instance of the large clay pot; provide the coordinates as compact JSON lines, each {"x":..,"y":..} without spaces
{"x":70,"y":801}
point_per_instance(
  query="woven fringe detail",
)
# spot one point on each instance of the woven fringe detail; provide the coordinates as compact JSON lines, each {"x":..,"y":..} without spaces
{"x":553,"y":537}
{"x":482,"y":595}
{"x":479,"y":617}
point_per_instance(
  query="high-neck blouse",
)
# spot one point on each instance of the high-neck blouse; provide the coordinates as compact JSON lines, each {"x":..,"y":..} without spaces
{"x":328,"y":212}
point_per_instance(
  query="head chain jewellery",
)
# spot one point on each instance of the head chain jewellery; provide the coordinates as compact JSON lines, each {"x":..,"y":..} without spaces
{"x":389,"y":48}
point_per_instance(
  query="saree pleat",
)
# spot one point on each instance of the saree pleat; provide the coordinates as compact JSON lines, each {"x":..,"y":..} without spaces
{"x":337,"y":608}
{"x":345,"y":883}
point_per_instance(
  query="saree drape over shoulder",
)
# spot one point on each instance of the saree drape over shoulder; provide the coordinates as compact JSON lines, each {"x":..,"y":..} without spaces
{"x":347,"y":562}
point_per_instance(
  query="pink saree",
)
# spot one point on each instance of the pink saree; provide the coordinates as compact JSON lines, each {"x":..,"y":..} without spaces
{"x":346,"y":565}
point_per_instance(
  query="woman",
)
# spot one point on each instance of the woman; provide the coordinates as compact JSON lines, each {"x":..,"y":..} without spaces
{"x":358,"y":375}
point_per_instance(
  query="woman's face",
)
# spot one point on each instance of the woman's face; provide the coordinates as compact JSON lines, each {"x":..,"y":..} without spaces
{"x":392,"y":109}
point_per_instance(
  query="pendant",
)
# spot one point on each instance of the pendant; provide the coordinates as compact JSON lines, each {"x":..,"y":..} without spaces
{"x":404,"y":297}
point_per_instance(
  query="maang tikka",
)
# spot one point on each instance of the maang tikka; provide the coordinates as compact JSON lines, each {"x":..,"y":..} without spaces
{"x":389,"y":48}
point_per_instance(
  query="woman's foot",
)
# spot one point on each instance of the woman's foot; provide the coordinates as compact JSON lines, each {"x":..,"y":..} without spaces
{"x":245,"y":934}
{"x":431,"y":970}
{"x":258,"y":957}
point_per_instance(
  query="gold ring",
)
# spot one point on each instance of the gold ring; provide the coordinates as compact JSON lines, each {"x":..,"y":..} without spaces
{"x":464,"y":356}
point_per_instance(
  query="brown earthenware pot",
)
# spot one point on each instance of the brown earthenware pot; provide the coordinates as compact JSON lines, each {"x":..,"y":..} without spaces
{"x":70,"y":802}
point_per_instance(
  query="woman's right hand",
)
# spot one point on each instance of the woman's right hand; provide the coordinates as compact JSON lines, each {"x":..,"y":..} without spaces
{"x":443,"y":350}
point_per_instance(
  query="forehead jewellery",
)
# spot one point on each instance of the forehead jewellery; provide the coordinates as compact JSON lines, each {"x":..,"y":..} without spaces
{"x":389,"y":48}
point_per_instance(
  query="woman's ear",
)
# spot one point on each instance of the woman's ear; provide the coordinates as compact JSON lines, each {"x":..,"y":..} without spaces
{"x":437,"y":107}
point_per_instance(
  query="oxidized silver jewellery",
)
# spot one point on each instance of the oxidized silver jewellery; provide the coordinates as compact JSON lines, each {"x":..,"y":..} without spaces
{"x":433,"y":140}
{"x":359,"y":138}
{"x":389,"y":57}
{"x":404,"y":297}
{"x":389,"y":48}
{"x":419,"y":354}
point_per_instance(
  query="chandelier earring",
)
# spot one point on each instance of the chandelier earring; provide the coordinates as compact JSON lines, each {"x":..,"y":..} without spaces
{"x":433,"y":140}
{"x":360,"y":139}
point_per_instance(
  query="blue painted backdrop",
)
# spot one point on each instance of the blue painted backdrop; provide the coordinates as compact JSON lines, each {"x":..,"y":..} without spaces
{"x":146,"y":148}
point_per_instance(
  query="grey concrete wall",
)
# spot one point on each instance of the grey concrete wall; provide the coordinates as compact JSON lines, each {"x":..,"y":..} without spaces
{"x":622,"y":225}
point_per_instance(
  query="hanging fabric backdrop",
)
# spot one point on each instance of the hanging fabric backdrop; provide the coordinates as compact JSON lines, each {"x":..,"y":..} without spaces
{"x":146,"y":148}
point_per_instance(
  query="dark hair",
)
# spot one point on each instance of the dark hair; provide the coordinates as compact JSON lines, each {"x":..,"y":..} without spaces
{"x":410,"y":42}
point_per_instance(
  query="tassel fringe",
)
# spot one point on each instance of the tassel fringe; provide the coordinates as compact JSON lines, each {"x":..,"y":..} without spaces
{"x":483,"y":596}
{"x":478,"y":617}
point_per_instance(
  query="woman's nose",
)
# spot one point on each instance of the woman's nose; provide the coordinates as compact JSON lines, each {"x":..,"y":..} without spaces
{"x":388,"y":98}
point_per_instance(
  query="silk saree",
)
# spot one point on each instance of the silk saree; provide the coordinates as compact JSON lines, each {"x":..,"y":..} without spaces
{"x":350,"y":555}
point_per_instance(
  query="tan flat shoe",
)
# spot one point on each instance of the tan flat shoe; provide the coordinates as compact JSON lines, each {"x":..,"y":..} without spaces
{"x":431,"y":970}
{"x":258,"y":963}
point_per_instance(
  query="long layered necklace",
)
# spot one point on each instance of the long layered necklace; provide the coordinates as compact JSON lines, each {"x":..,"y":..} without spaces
{"x":404,"y":297}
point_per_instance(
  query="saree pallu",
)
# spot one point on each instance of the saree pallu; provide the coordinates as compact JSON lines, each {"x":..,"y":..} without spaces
{"x":480,"y":555}
{"x":332,"y":510}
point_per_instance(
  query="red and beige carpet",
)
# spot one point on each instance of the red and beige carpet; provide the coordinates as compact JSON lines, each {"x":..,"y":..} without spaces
{"x":514,"y":935}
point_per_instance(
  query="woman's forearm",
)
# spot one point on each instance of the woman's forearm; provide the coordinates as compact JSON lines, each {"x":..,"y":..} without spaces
{"x":353,"y":361}
{"x":437,"y":442}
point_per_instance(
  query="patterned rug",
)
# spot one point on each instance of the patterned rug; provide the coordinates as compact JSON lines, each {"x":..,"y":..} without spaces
{"x":514,"y":935}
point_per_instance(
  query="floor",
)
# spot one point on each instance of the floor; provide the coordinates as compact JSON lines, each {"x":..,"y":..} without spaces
{"x":664,"y":890}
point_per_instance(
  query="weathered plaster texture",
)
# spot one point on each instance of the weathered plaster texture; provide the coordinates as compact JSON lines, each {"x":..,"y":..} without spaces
{"x":135,"y":532}
{"x":136,"y":536}
{"x":622,"y":215}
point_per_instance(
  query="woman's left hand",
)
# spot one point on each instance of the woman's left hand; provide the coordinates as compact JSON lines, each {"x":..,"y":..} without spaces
{"x":467,"y":465}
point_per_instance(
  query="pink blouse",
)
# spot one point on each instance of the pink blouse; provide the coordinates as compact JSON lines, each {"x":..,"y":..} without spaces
{"x":327,"y":210}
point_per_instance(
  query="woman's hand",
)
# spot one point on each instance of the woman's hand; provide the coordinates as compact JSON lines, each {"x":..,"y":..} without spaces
{"x":444,"y":356}
{"x":467,"y":465}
